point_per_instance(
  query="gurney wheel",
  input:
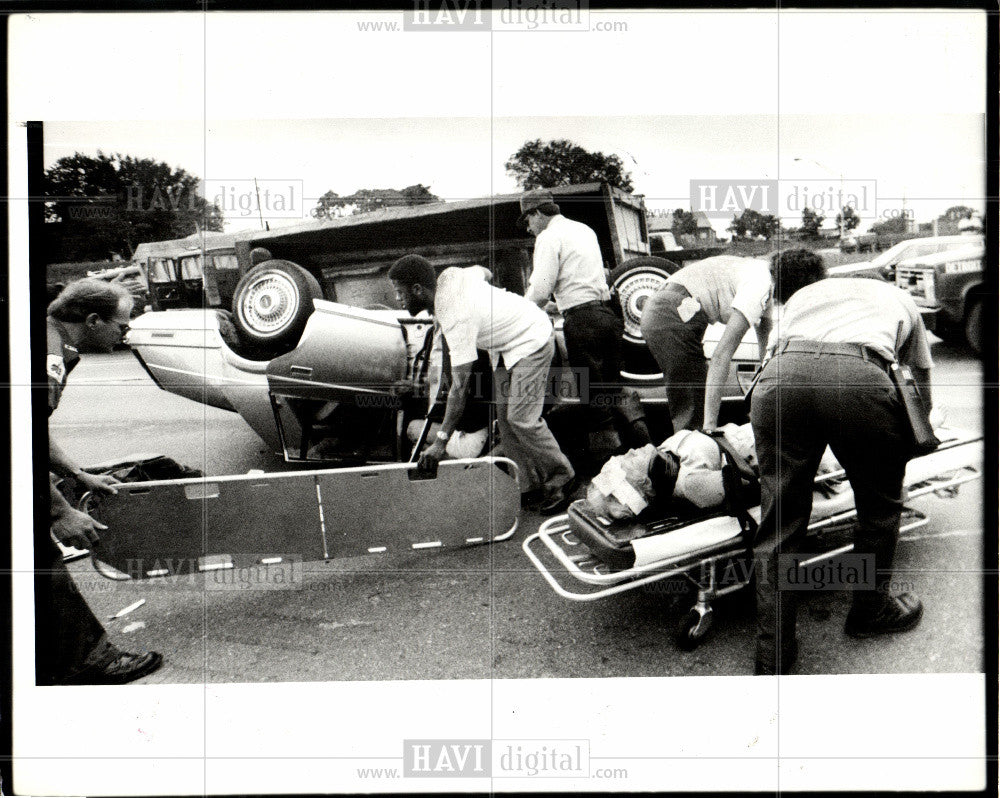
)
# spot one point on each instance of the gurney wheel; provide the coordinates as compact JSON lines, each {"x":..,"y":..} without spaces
{"x":693,"y":627}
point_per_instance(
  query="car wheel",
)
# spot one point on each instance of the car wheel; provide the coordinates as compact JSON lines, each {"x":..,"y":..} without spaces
{"x":272,"y":303}
{"x":973,"y":325}
{"x":634,"y":282}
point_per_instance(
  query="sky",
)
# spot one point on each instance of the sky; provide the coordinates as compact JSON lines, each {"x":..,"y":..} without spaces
{"x":921,"y":163}
{"x":679,"y":96}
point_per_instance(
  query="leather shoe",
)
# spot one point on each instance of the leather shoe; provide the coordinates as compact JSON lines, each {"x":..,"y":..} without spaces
{"x":891,"y":614}
{"x":766,"y":666}
{"x":120,"y":669}
{"x":531,"y":498}
{"x":558,"y":500}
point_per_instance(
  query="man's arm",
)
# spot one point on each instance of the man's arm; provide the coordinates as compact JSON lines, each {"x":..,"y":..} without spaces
{"x":71,"y":527}
{"x":718,"y":368}
{"x":544,"y":271}
{"x":923,"y":379}
{"x":763,"y":334}
{"x":916,"y":353}
{"x":454,"y":407}
{"x":61,"y":464}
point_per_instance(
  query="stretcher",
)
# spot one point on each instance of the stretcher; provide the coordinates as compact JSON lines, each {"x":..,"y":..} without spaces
{"x":182,"y":526}
{"x":585,"y":558}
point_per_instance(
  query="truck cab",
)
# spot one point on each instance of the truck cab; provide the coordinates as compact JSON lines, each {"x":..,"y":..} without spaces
{"x":199,"y":271}
{"x":947,"y":286}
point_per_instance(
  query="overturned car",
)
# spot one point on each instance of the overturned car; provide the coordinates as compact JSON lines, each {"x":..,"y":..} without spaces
{"x":312,"y":355}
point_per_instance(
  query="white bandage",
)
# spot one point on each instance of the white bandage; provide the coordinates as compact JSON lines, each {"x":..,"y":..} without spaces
{"x":613,"y":482}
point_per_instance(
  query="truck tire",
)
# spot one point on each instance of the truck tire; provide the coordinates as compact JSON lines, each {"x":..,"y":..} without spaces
{"x":974,"y":325}
{"x":272,"y":303}
{"x":635,"y":281}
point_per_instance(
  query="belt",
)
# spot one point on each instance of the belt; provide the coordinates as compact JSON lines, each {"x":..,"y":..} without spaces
{"x":818,"y":348}
{"x":593,"y":303}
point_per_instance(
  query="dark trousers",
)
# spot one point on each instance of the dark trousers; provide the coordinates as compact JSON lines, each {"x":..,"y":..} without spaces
{"x":677,"y":347}
{"x":68,"y":637}
{"x":593,"y":336}
{"x":802,"y":403}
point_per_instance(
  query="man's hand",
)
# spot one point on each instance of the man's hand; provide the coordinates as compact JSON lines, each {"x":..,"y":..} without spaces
{"x":99,"y":483}
{"x":76,"y":528}
{"x":404,"y":389}
{"x":431,"y":456}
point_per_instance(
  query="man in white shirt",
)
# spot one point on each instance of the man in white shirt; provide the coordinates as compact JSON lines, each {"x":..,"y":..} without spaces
{"x":72,"y":646}
{"x":567,"y":266}
{"x":827,"y":383}
{"x":727,"y":289}
{"x":518,"y":337}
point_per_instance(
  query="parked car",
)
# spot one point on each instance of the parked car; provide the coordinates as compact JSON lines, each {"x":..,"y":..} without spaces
{"x":883,"y":266}
{"x":858,"y":242}
{"x":948,"y":288}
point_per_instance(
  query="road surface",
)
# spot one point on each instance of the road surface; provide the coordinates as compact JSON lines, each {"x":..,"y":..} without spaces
{"x":482,"y":612}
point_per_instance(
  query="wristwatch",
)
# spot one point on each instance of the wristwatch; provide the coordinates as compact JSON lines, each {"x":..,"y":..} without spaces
{"x":442,"y":436}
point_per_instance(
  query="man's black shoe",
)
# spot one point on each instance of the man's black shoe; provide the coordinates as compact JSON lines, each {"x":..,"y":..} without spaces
{"x":892,"y":614}
{"x":766,"y":666}
{"x":558,"y":500}
{"x":531,"y":498}
{"x":121,"y":669}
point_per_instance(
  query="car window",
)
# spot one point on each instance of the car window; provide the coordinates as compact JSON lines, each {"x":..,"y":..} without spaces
{"x":225,"y":262}
{"x":162,"y":270}
{"x":191,"y":268}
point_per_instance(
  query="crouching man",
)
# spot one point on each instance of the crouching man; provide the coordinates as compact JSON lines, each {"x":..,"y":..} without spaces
{"x":518,"y":337}
{"x":827,"y":383}
{"x":71,"y":644}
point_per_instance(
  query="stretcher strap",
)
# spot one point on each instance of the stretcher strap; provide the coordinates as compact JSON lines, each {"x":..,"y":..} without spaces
{"x":739,"y":481}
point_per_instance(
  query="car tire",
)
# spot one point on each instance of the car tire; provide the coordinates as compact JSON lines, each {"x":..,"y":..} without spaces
{"x":633,"y":283}
{"x":974,"y":325}
{"x":272,"y":303}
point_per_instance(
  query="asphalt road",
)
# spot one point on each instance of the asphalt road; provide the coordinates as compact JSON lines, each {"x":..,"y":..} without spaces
{"x":482,"y":612}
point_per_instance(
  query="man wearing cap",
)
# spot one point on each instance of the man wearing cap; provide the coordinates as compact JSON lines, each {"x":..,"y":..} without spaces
{"x":519,"y":340}
{"x":568,"y":266}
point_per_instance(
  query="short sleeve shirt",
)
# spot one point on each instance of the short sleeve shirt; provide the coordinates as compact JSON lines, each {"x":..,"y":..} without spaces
{"x":475,"y":315}
{"x":726,"y":283}
{"x":567,"y":265}
{"x":857,"y":310}
{"x":60,"y":360}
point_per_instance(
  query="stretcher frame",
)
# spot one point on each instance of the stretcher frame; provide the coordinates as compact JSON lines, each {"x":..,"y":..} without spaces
{"x":184,"y":526}
{"x":600,"y":580}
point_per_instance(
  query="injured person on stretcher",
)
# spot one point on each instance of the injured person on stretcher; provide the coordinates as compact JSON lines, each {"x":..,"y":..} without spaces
{"x":687,"y":468}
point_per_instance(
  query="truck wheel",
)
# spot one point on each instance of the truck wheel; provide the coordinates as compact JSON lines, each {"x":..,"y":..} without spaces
{"x":974,"y":325}
{"x":634,"y":282}
{"x":272,"y":303}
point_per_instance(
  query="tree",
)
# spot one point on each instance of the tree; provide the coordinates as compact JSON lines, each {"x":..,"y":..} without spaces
{"x":893,"y":226}
{"x":331,"y":205}
{"x":811,"y":221}
{"x":684,"y":223}
{"x":105,"y":206}
{"x":958,"y":212}
{"x":753,"y":223}
{"x":847,"y":219}
{"x":562,"y":163}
